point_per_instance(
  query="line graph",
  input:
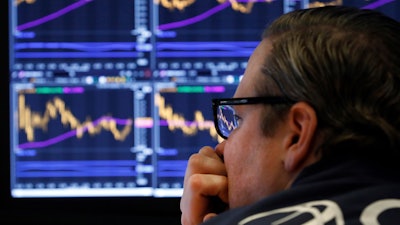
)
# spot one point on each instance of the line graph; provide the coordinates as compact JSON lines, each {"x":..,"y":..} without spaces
{"x":54,"y":15}
{"x":185,"y":123}
{"x":173,"y":4}
{"x":208,"y":13}
{"x":175,"y":121}
{"x":51,"y":119}
{"x":242,"y":6}
{"x":245,"y":8}
{"x":377,"y":4}
{"x":212,"y":34}
{"x":194,"y":19}
{"x":40,"y":20}
{"x":80,"y":32}
{"x":185,"y":116}
{"x":70,"y":137}
{"x":95,"y":127}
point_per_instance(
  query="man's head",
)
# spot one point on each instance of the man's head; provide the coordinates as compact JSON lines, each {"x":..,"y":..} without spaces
{"x":341,"y":69}
{"x":345,"y":63}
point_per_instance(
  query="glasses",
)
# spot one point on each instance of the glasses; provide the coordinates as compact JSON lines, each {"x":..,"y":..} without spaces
{"x":225,"y":118}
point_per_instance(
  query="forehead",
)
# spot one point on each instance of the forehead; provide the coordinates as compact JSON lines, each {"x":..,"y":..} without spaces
{"x":253,"y":72}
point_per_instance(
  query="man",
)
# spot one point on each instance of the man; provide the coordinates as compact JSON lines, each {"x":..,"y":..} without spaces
{"x":312,"y":135}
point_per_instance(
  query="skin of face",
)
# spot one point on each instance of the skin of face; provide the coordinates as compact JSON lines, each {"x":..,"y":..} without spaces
{"x":254,"y":162}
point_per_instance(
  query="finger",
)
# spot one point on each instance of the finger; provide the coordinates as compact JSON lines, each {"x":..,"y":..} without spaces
{"x":209,"y":216}
{"x":210,"y":152}
{"x":210,"y":185}
{"x":208,"y":160}
{"x":202,"y":163}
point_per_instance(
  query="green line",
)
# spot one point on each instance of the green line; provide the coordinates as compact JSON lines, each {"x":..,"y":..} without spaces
{"x":49,"y":90}
{"x":190,"y":89}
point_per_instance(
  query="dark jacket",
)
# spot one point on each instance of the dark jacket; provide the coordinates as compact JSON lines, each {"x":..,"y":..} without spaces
{"x":331,"y":192}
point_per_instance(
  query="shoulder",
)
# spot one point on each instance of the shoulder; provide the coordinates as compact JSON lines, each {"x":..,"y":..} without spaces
{"x":376,"y":204}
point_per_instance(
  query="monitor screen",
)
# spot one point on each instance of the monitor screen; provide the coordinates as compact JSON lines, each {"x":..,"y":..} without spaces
{"x":110,"y":98}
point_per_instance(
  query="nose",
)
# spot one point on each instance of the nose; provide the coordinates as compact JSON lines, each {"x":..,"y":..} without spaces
{"x":219,"y":149}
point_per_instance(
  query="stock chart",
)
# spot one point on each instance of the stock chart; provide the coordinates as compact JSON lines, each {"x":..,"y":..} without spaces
{"x":110,"y":98}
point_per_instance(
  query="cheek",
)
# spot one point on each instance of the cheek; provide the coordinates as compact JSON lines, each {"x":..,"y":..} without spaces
{"x":242,"y":148}
{"x":254,"y":166}
{"x":245,"y":161}
{"x":245,"y":148}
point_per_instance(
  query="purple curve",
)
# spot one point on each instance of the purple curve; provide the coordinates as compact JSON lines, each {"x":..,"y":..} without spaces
{"x":194,"y":19}
{"x":377,"y":4}
{"x":69,"y":134}
{"x":53,"y":15}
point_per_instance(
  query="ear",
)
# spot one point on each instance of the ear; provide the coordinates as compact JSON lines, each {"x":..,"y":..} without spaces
{"x":302,"y":122}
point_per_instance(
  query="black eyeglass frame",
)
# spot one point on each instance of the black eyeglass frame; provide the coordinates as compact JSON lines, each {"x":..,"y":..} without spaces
{"x":272,"y":100}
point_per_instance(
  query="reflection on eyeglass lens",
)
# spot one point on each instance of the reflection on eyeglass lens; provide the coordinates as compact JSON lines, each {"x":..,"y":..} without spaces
{"x":226,"y":119}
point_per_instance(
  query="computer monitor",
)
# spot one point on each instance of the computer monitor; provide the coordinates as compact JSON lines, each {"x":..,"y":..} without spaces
{"x":108,"y":99}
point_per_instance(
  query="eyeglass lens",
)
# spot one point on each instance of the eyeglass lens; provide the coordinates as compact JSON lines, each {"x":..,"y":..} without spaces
{"x":226,"y":120}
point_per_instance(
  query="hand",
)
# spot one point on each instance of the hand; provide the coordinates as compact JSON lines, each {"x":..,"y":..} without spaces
{"x":205,"y":190}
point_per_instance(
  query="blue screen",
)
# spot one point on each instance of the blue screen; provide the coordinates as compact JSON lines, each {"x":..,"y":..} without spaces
{"x":110,"y":98}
